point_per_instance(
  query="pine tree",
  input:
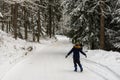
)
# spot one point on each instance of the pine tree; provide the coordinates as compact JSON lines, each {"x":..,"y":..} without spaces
{"x":85,"y":20}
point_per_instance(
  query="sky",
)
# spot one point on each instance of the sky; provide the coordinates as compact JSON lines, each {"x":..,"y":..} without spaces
{"x":47,"y":61}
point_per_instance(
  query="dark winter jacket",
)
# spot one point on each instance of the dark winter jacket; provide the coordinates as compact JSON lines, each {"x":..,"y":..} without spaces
{"x":76,"y":50}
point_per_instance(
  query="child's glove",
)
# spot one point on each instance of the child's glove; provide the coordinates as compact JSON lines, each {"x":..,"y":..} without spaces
{"x":66,"y":56}
{"x":86,"y":56}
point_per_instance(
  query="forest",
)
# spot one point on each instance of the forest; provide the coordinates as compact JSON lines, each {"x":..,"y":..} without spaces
{"x":95,"y":23}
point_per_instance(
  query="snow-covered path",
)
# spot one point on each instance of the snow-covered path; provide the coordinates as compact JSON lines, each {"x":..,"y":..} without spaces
{"x":49,"y":63}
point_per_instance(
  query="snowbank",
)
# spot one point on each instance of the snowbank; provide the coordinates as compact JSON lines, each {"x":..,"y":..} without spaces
{"x":104,"y":57}
{"x":108,"y":59}
{"x":12,"y":51}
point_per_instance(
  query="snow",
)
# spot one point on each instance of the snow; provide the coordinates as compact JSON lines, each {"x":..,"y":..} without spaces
{"x":119,"y":1}
{"x":22,"y":1}
{"x":47,"y":61}
{"x":14,"y":1}
{"x":11,"y":51}
{"x":1,"y":14}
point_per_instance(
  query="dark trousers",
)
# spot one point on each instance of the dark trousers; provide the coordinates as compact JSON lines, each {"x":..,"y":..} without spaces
{"x":77,"y":61}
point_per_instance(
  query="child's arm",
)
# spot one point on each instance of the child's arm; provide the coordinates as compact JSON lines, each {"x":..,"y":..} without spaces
{"x":83,"y":53}
{"x":69,"y":53}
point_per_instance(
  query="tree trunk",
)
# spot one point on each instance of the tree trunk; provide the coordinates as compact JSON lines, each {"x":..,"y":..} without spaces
{"x":25,"y":22}
{"x":47,"y":25}
{"x":38,"y":26}
{"x":50,"y":18}
{"x":15,"y":20}
{"x":7,"y":27}
{"x":33,"y":34}
{"x":3,"y":8}
{"x":102,"y":33}
{"x":12,"y":11}
{"x":54,"y":26}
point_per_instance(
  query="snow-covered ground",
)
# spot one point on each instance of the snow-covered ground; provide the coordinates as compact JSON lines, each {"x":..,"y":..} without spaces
{"x":47,"y":61}
{"x":12,"y":51}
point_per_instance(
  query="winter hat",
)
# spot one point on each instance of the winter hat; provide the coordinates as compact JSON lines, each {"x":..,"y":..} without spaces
{"x":77,"y":43}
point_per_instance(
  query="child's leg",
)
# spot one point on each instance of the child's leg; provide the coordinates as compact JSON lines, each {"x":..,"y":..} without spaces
{"x":81,"y":68}
{"x":75,"y":64}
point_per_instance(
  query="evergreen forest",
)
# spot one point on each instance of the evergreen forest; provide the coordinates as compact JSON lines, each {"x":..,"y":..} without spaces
{"x":93,"y":23}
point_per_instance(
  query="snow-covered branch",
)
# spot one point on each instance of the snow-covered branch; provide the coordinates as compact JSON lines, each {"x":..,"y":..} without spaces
{"x":1,"y":14}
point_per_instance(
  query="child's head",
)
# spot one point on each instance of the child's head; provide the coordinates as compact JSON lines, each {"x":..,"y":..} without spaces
{"x":77,"y":44}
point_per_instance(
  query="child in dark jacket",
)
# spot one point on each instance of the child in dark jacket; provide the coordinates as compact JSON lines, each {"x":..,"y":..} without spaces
{"x":76,"y":56}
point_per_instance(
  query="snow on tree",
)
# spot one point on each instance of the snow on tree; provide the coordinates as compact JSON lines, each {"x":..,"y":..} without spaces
{"x":32,"y":13}
{"x":85,"y":20}
{"x":1,"y":14}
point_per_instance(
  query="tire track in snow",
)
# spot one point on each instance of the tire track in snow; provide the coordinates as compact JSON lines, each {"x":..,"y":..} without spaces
{"x":98,"y":65}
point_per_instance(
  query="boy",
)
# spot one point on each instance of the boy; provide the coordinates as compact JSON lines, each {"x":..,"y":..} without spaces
{"x":76,"y":56}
